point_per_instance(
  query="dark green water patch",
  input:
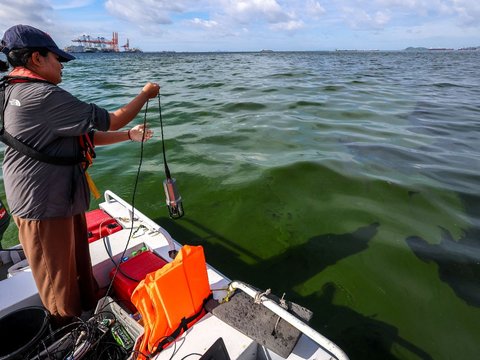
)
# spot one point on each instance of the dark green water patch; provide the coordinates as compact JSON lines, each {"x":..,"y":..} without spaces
{"x":358,"y":114}
{"x":333,"y":88}
{"x":243,"y":106}
{"x":458,"y":264}
{"x":206,"y":85}
{"x":358,"y":82}
{"x":240,"y":89}
{"x":368,"y":337}
{"x":458,"y":260}
{"x":447,"y":85}
{"x":303,"y":103}
{"x":282,"y":75}
{"x":298,"y":228}
{"x":224,"y":139}
{"x":270,"y":90}
{"x":204,"y":114}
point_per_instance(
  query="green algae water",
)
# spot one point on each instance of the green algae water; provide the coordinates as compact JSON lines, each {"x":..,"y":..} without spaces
{"x":346,"y":180}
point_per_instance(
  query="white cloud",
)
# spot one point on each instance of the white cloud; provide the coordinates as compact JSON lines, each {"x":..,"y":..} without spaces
{"x":247,"y":11}
{"x":468,"y":11}
{"x":32,"y":12}
{"x":432,"y":34}
{"x":71,"y":4}
{"x":314,"y":9}
{"x":145,"y":12}
{"x":246,"y":24}
{"x":361,"y":19}
{"x":207,"y":24}
{"x":290,"y":25}
{"x":410,"y":4}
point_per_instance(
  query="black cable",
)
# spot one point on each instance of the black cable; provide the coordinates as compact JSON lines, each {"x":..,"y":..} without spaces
{"x":65,"y":345}
{"x":113,"y":350}
{"x":174,"y":201}
{"x":167,"y":337}
{"x":64,"y":330}
{"x":132,"y":202}
{"x":115,"y":264}
{"x":167,"y":170}
{"x":87,"y":340}
{"x":191,"y":355}
{"x":167,"y":173}
{"x":138,"y":352}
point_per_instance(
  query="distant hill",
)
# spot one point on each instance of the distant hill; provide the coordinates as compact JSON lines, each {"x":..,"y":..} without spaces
{"x":472,"y":48}
{"x":416,"y":49}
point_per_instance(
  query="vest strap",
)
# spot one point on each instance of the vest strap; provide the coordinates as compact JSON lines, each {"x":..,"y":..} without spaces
{"x":181,"y":328}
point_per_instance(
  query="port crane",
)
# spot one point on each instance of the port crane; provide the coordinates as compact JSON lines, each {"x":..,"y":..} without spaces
{"x":127,"y":47}
{"x":98,"y":44}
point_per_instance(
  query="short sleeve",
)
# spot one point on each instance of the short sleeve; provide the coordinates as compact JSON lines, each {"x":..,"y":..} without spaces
{"x":69,"y":116}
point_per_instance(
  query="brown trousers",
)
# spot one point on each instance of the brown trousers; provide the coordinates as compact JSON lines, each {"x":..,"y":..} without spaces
{"x":58,"y":253}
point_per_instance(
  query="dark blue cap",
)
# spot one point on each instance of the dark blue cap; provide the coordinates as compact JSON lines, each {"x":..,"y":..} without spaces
{"x":25,"y":36}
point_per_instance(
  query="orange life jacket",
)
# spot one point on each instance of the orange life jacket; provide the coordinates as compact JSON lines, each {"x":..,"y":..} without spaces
{"x":172,"y":298}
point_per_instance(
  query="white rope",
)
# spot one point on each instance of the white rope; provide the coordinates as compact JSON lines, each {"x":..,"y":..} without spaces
{"x":283,"y":304}
{"x":258,"y":296}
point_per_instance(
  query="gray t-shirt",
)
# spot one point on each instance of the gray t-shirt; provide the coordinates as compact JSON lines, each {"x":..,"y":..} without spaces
{"x":50,"y":120}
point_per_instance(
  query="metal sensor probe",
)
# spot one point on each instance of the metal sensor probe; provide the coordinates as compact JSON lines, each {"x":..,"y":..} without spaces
{"x":173,"y":198}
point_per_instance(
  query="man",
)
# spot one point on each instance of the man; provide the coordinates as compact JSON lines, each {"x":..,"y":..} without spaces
{"x":45,"y":183}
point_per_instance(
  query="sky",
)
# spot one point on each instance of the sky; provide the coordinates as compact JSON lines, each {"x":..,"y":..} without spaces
{"x":253,"y":25}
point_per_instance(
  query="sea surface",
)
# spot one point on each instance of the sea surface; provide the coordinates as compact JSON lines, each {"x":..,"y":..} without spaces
{"x":347,"y":180}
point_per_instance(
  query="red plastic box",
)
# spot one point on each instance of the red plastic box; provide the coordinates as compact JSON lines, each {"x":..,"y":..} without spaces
{"x":100,"y":224}
{"x":137,"y":268}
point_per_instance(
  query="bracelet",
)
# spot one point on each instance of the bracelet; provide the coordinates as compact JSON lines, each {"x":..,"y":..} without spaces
{"x":128,"y":134}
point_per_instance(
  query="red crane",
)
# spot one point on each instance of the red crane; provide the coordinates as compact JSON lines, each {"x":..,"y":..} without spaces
{"x":99,"y":43}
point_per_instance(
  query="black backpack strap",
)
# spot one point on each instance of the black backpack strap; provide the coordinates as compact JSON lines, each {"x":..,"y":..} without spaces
{"x":26,"y":150}
{"x":181,"y":328}
{"x":20,"y":146}
{"x":3,"y":84}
